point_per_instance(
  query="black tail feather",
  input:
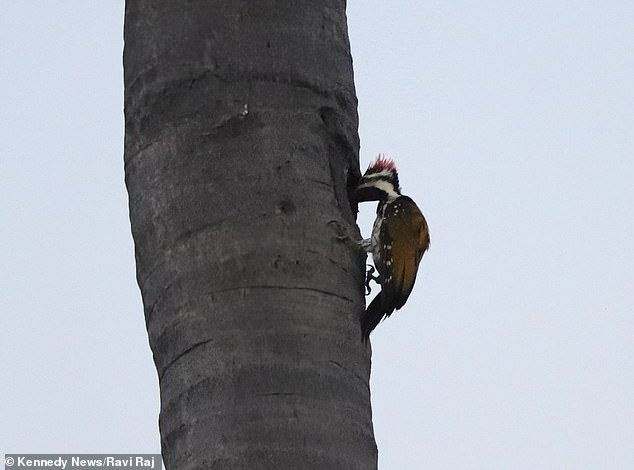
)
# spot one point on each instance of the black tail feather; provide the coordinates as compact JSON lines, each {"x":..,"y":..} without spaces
{"x":371,"y":317}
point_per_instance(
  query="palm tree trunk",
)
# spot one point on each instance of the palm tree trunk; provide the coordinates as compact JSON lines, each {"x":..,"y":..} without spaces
{"x":241,"y":141}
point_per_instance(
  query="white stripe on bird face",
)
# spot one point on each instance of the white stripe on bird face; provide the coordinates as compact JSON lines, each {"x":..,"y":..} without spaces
{"x":382,"y":185}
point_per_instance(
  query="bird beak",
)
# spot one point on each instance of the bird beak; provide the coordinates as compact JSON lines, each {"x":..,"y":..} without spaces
{"x":367,"y":192}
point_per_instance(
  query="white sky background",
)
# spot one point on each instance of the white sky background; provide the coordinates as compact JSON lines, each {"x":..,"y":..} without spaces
{"x":512,"y":124}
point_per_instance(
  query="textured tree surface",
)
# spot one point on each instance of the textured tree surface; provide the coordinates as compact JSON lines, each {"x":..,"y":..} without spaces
{"x":241,"y":142}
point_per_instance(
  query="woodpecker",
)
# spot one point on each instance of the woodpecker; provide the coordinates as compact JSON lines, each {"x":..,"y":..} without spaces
{"x":400,"y":237}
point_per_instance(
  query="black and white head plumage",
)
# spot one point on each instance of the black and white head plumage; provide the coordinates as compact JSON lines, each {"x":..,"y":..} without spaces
{"x":380,"y":181}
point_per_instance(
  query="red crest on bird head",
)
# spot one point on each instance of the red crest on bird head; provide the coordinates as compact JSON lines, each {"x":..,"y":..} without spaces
{"x":381,"y":164}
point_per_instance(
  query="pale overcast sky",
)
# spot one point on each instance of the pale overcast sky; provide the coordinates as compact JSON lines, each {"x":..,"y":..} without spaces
{"x":512,"y":124}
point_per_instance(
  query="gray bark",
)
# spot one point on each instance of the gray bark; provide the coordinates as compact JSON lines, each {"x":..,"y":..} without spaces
{"x":240,"y":144}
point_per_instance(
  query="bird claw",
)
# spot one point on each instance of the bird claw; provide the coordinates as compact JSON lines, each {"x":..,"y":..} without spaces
{"x":369,"y":277}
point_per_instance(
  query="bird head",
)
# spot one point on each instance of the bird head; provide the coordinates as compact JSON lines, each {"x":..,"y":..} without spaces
{"x":379,"y":183}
